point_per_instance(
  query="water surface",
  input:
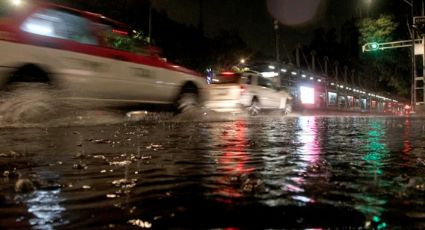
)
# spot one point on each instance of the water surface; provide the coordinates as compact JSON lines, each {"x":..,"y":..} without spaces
{"x":238,"y":172}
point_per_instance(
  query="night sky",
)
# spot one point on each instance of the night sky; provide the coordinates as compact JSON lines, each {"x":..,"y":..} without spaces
{"x":253,"y":19}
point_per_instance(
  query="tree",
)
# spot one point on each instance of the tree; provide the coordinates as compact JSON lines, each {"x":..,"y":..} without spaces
{"x":377,"y":30}
{"x":384,"y":70}
{"x":228,"y":48}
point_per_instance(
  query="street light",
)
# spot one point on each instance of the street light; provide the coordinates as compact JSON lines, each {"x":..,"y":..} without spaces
{"x":242,"y":61}
{"x":413,"y":65}
{"x":16,"y":2}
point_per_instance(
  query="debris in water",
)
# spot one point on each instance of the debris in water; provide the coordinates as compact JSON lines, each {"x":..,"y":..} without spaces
{"x":80,"y":166}
{"x":11,"y":154}
{"x":11,"y":174}
{"x":100,"y":141}
{"x":86,"y":187}
{"x":99,"y":157}
{"x":140,"y":223}
{"x":24,"y":185}
{"x":111,"y":196}
{"x":120,"y":163}
{"x":80,"y":155}
{"x":125,"y":183}
{"x":153,"y":147}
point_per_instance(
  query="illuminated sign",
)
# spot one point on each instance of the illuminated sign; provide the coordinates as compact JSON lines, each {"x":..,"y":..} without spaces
{"x":331,"y":98}
{"x":307,"y":95}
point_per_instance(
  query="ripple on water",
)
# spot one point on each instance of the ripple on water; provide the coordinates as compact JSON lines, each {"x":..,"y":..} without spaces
{"x":245,"y":173}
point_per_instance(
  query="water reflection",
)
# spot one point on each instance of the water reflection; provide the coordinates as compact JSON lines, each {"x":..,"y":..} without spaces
{"x":232,"y":162}
{"x":46,"y":209}
{"x":253,"y":173}
{"x":308,"y":136}
{"x":309,"y":155}
{"x":370,"y":201}
{"x":407,"y":145}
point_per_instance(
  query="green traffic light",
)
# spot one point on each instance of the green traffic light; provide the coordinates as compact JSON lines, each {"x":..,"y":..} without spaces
{"x":374,"y":46}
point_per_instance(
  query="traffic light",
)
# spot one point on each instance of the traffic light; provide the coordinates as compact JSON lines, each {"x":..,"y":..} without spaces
{"x":372,"y":46}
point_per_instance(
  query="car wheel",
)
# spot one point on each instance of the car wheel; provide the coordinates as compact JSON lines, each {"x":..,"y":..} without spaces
{"x":187,"y":100}
{"x":254,"y":108}
{"x":27,"y":102}
{"x":288,"y":109}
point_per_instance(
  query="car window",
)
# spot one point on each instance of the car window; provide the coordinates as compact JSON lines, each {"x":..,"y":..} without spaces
{"x":116,"y":36}
{"x":113,"y":38}
{"x":226,"y":79}
{"x":265,"y":82}
{"x":248,"y":80}
{"x":60,"y":24}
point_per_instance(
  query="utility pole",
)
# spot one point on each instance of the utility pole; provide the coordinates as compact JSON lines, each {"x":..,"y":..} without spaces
{"x":326,"y":64}
{"x":276,"y":29}
{"x":297,"y":56}
{"x":150,"y":23}
{"x":313,"y":60}
{"x":413,"y":64}
{"x":345,"y":84}
{"x":337,"y":85}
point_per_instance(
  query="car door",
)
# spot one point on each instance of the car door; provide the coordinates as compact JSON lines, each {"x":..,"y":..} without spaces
{"x":144,"y":78}
{"x":148,"y":83}
{"x":267,"y":93}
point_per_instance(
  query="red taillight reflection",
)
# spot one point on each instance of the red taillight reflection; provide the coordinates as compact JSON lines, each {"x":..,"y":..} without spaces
{"x":227,"y":73}
{"x":242,"y":89}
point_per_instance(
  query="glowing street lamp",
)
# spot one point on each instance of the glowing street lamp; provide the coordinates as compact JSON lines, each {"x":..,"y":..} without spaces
{"x":16,"y":2}
{"x":242,"y":61}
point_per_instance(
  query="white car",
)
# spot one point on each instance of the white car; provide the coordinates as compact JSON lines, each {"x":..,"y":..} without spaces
{"x":91,"y":58}
{"x":231,"y":91}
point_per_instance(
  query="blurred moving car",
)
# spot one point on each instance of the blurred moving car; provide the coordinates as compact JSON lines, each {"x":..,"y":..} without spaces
{"x":230,"y":91}
{"x":91,"y":58}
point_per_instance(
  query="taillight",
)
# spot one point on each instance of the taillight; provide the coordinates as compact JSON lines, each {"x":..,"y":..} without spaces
{"x":242,"y":89}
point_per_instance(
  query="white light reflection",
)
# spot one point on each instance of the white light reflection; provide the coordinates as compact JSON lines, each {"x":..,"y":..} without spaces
{"x":46,"y":208}
{"x":308,"y":137}
{"x":40,"y":29}
{"x":309,"y":155}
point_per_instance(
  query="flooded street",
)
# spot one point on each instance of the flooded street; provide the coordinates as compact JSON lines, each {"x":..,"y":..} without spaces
{"x":232,"y":172}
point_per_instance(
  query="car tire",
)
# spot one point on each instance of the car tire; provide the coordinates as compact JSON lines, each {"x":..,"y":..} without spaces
{"x":254,"y":109}
{"x":288,"y":109}
{"x":27,"y":102}
{"x":187,"y":100}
